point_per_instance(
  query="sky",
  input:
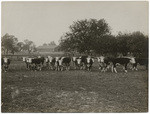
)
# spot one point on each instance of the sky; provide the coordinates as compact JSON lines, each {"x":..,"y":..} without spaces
{"x":43,"y":22}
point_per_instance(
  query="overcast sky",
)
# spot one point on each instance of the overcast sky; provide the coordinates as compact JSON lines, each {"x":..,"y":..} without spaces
{"x":43,"y":22}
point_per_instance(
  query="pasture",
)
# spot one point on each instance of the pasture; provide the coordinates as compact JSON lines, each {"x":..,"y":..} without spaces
{"x":73,"y":91}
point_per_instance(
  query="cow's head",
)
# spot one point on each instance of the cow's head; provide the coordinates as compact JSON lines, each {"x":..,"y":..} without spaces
{"x":57,"y":59}
{"x":78,"y":61}
{"x":101,"y":59}
{"x":50,"y":58}
{"x":61,"y":61}
{"x":74,"y":58}
{"x":132,"y":60}
{"x":5,"y":60}
{"x":29,"y":60}
{"x":46,"y":59}
{"x":88,"y":60}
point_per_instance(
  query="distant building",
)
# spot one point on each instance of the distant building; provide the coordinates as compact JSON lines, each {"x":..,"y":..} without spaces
{"x":46,"y":48}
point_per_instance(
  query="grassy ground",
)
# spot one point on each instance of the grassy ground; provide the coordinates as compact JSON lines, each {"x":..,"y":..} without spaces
{"x":74,"y":90}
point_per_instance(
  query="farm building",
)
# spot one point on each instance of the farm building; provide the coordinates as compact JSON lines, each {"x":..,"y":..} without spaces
{"x":46,"y":48}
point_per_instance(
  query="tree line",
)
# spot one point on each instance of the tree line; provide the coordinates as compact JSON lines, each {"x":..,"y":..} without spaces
{"x":94,"y":36}
{"x":10,"y":44}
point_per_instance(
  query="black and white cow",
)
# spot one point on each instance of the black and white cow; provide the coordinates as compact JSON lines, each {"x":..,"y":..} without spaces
{"x":57,"y":63}
{"x":123,"y":61}
{"x":25,"y":59}
{"x":83,"y":61}
{"x":74,"y":61}
{"x":64,"y":62}
{"x":140,"y":61}
{"x":5,"y":63}
{"x":78,"y":64}
{"x":104,"y":63}
{"x":47,"y":62}
{"x":89,"y":63}
{"x":38,"y":62}
{"x":52,"y":61}
{"x":35,"y":63}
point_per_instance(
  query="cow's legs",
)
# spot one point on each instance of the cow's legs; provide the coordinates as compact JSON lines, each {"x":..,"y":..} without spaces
{"x":52,"y":66}
{"x":134,"y":66}
{"x":90,"y":68}
{"x":61,"y":68}
{"x":57,"y":68}
{"x":27,"y":65}
{"x":40,"y":67}
{"x":30,"y":67}
{"x":68,"y":67}
{"x":115,"y":70}
{"x":125,"y":67}
{"x":75,"y":66}
{"x":114,"y":67}
{"x":47,"y":65}
{"x":5,"y":68}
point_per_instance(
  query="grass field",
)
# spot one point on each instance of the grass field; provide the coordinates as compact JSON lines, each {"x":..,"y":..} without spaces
{"x":74,"y":90}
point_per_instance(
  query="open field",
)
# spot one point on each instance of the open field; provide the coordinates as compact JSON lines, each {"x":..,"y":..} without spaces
{"x":74,"y":90}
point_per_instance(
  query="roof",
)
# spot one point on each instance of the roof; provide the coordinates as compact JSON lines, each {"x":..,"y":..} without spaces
{"x":47,"y":47}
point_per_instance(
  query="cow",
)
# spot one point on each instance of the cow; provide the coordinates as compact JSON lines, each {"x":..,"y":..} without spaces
{"x":78,"y":63}
{"x":5,"y":63}
{"x":38,"y":62}
{"x":104,"y":63}
{"x":89,"y":63}
{"x":57,"y":63}
{"x":74,"y":61}
{"x":25,"y":59}
{"x":47,"y":62}
{"x":140,"y":61}
{"x":35,"y":63}
{"x":64,"y":62}
{"x":123,"y":61}
{"x":52,"y":61}
{"x":83,"y":61}
{"x":29,"y":63}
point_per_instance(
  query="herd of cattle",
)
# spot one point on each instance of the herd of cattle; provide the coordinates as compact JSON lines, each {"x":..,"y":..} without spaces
{"x":82,"y":62}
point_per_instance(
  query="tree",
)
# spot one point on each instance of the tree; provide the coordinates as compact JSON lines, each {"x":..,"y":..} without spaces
{"x":135,"y":43}
{"x":138,"y":44}
{"x":9,"y":44}
{"x":84,"y":35}
{"x":106,"y":45}
{"x":122,"y":43}
{"x":29,"y":46}
{"x":20,"y":46}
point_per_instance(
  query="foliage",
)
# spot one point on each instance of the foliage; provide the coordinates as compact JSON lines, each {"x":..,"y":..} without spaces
{"x":84,"y":34}
{"x":20,"y":46}
{"x":94,"y":35}
{"x":135,"y":43}
{"x":9,"y":44}
{"x":29,"y":46}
